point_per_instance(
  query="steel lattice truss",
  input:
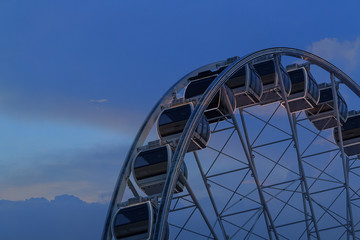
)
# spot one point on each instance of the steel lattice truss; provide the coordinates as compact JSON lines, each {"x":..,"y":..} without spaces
{"x":265,"y":174}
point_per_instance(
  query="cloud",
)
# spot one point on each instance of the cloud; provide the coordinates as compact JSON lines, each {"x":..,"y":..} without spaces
{"x":332,"y":49}
{"x":99,"y":100}
{"x":65,"y":217}
{"x":116,"y":116}
{"x":87,"y":173}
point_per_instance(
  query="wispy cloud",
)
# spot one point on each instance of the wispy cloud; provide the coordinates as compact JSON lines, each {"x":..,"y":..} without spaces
{"x":99,"y":100}
{"x":332,"y":49}
{"x":73,"y":171}
{"x":112,"y":115}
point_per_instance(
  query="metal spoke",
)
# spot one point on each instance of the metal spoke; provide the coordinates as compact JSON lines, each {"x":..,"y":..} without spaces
{"x":249,"y":219}
{"x":267,"y":123}
{"x":187,"y":220}
{"x":210,"y":196}
{"x":276,"y":164}
{"x":219,"y":153}
{"x":233,"y":193}
{"x":304,"y":185}
{"x":198,"y":205}
{"x":227,"y":155}
{"x":249,"y":157}
{"x":239,"y":194}
{"x":188,"y":230}
{"x":271,"y":160}
{"x":349,"y":215}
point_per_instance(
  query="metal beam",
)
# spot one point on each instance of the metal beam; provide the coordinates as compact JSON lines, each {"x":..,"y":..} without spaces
{"x":184,"y":180}
{"x":349,"y":216}
{"x":268,"y":219}
{"x":304,"y":185}
{"x":210,"y":196}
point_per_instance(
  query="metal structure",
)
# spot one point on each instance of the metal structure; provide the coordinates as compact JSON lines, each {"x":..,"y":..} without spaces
{"x":266,"y":173}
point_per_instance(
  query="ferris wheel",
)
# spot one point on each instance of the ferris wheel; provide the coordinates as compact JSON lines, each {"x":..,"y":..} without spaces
{"x":265,"y":146}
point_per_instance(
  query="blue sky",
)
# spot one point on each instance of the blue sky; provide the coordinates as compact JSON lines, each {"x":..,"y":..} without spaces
{"x":78,"y":77}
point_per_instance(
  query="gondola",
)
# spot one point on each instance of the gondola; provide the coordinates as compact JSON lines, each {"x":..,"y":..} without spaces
{"x":172,"y":121}
{"x":217,"y":109}
{"x":350,"y":134}
{"x":323,"y":116}
{"x":135,"y":222}
{"x":246,"y":86}
{"x":305,"y":93}
{"x":150,"y":169}
{"x":270,"y":77}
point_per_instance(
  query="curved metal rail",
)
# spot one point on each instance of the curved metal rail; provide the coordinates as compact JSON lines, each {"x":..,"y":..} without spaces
{"x":140,"y":138}
{"x":193,"y":122}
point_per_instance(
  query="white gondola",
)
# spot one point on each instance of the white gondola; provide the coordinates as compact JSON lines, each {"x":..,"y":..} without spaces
{"x":323,"y":116}
{"x":270,"y":79}
{"x":135,"y":222}
{"x":305,"y":93}
{"x":217,"y":109}
{"x":150,"y":169}
{"x":350,"y":134}
{"x":246,"y":86}
{"x":172,"y":121}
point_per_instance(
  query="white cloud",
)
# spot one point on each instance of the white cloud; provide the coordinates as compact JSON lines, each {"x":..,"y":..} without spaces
{"x":345,"y":52}
{"x":99,"y":100}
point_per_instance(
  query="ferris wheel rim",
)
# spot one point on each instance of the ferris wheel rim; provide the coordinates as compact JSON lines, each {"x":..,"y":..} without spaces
{"x":214,"y":87}
{"x":199,"y":109}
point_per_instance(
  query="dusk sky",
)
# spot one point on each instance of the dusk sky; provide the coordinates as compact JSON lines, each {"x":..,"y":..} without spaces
{"x":77,"y":79}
